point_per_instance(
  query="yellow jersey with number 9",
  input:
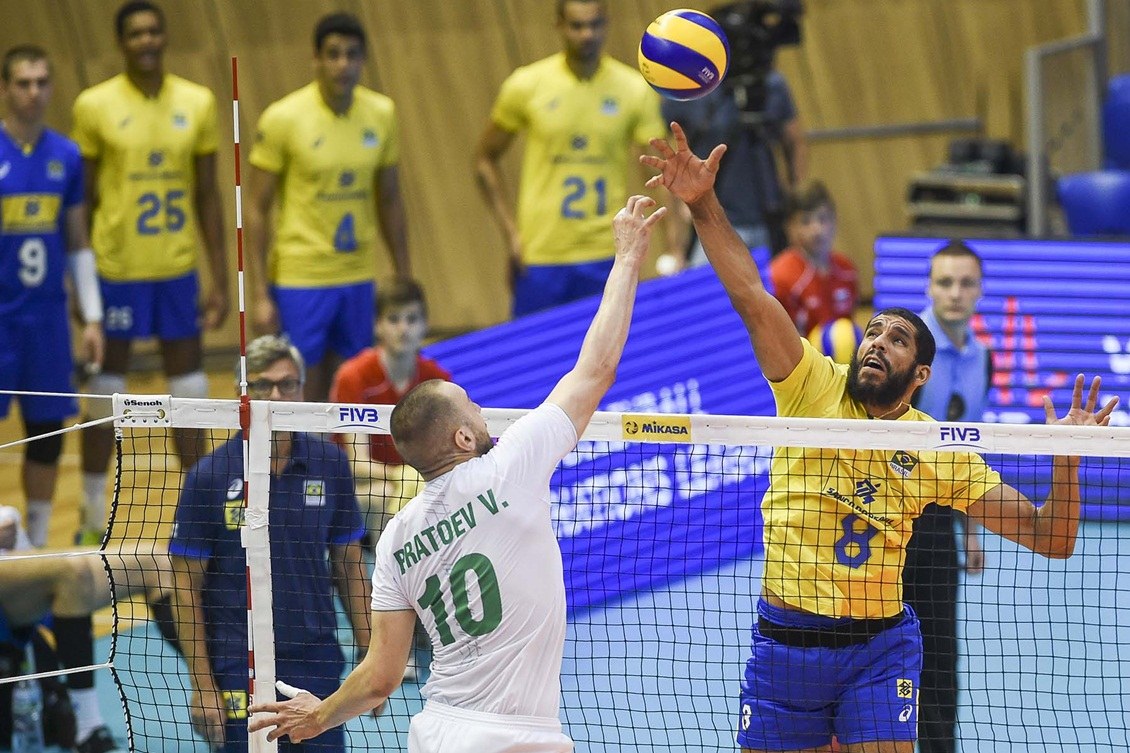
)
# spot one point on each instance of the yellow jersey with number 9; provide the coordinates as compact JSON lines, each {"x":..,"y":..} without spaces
{"x":328,"y":166}
{"x":145,"y":220}
{"x":837,"y":522}
{"x":575,"y":172}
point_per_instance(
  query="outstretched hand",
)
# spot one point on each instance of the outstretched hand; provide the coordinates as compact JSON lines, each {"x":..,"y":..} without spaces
{"x":1078,"y":414}
{"x":680,"y":171}
{"x":631,"y":228}
{"x":293,"y":718}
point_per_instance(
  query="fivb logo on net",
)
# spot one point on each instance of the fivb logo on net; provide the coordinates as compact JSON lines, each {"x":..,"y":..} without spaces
{"x":356,"y":417}
{"x":958,"y":436}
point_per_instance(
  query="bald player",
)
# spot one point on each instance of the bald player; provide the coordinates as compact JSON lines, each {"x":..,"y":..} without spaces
{"x":483,"y":519}
{"x":835,"y":651}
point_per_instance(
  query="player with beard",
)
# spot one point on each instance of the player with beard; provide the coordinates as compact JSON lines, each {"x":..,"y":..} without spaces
{"x":835,"y":651}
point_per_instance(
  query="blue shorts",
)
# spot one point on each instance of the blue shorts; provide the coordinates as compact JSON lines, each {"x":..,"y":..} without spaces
{"x":234,"y":690}
{"x":166,"y":309}
{"x":35,"y":355}
{"x":338,"y":318}
{"x":795,"y":698}
{"x":548,"y":285}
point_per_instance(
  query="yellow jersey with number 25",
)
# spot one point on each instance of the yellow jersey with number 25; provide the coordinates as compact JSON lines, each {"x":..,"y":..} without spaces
{"x":145,"y":220}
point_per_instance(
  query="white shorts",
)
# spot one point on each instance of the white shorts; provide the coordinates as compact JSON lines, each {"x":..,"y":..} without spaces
{"x":445,"y":729}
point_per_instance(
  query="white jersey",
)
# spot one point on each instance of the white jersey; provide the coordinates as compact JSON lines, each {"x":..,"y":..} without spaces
{"x":475,"y":555}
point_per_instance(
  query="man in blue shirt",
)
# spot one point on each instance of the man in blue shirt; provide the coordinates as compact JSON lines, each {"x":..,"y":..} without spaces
{"x":957,"y":391}
{"x":42,"y":235}
{"x":313,"y":512}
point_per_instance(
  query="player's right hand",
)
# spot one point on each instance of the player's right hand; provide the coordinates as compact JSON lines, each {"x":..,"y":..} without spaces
{"x":680,"y":171}
{"x":265,"y":317}
{"x":631,"y":229}
{"x":207,"y":712}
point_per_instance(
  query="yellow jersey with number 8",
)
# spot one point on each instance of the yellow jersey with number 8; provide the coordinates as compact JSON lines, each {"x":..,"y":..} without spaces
{"x":146,"y":148}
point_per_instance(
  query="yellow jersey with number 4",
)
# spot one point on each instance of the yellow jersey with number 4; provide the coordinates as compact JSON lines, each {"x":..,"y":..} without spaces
{"x":145,"y":222}
{"x":575,"y":172}
{"x":328,"y":165}
{"x":837,"y":522}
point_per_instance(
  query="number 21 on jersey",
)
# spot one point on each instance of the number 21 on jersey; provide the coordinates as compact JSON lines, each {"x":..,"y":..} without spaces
{"x":584,"y":198}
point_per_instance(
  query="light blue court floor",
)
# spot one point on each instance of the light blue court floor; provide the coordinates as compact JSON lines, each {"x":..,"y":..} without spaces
{"x":1046,"y":663}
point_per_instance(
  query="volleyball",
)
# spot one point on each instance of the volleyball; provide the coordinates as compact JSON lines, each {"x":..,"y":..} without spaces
{"x":839,"y":339}
{"x":684,"y":54}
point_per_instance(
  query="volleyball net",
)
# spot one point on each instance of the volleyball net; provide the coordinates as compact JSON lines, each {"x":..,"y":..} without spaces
{"x":659,"y":521}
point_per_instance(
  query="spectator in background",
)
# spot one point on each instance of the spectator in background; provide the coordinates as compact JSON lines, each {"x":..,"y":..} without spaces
{"x":149,"y":140}
{"x":381,"y":375}
{"x":43,"y":234}
{"x":315,"y":550}
{"x":330,"y":153}
{"x":815,"y":283}
{"x":748,"y":186}
{"x":957,"y":391}
{"x":582,"y":113}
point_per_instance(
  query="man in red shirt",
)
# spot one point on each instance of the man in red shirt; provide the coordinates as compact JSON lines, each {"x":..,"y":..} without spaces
{"x":381,"y":375}
{"x":815,"y":283}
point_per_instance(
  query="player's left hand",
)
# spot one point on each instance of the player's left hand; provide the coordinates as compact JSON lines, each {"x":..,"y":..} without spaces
{"x":1079,"y":414}
{"x":215,"y":308}
{"x":93,"y":346}
{"x":293,"y":718}
{"x":631,"y":228}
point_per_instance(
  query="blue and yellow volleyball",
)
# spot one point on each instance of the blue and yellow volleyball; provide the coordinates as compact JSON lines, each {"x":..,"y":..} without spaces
{"x":684,"y":54}
{"x":839,"y":339}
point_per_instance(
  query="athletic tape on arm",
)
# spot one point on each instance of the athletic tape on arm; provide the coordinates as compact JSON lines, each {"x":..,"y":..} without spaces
{"x":84,"y":274}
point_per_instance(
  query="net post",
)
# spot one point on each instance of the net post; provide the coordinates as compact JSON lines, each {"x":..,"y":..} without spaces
{"x":257,"y":543}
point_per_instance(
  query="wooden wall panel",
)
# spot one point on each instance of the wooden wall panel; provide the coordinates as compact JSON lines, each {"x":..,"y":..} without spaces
{"x":863,"y":62}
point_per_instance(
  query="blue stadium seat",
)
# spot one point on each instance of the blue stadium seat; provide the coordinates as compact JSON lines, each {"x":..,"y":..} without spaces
{"x":1116,"y":124}
{"x":1096,"y":203}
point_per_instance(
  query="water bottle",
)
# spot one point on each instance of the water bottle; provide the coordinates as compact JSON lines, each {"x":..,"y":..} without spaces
{"x":27,"y":717}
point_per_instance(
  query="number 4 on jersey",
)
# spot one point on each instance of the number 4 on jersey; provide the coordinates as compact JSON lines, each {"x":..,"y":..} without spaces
{"x":345,"y":237}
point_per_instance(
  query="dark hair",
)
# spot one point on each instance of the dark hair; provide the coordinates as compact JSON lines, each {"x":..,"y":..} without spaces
{"x":924,"y":345}
{"x":562,"y":3}
{"x":957,"y":248}
{"x":20,"y":53}
{"x":808,"y":198}
{"x":345,"y":24}
{"x":133,"y":7}
{"x":401,"y":291}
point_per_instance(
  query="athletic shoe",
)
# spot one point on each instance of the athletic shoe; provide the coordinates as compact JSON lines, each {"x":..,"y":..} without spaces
{"x":99,"y":741}
{"x":59,"y":723}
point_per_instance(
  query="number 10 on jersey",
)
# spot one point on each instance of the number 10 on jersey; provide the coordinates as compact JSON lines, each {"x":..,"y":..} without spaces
{"x":436,"y":598}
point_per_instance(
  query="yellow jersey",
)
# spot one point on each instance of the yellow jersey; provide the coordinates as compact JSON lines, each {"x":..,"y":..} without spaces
{"x":837,"y":522}
{"x":576,"y":165}
{"x":328,"y":164}
{"x":145,"y":223}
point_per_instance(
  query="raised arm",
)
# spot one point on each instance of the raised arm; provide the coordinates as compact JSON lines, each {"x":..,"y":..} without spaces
{"x":580,"y":391}
{"x":774,"y":336}
{"x":1052,"y":528}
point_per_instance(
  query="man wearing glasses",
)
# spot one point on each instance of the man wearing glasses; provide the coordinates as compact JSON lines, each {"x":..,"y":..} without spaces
{"x":313,"y":512}
{"x":958,"y":390}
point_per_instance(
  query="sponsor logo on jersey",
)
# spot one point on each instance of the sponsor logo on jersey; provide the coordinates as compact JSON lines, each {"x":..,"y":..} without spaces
{"x":866,"y":490}
{"x":29,"y":213}
{"x":904,"y":715}
{"x":643,"y":428}
{"x":125,"y":121}
{"x":903,"y":463}
{"x":904,"y":688}
{"x":235,"y":703}
{"x":580,"y":142}
{"x":5,"y":169}
{"x":318,"y":142}
{"x":180,"y":121}
{"x":315,"y":492}
{"x":156,"y":157}
{"x":55,"y":170}
{"x":609,"y":106}
{"x":346,"y":179}
{"x":233,"y":514}
{"x":369,"y":138}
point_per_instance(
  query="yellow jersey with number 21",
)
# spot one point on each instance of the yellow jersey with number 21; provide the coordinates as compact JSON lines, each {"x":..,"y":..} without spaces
{"x":575,"y":171}
{"x":145,"y":220}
